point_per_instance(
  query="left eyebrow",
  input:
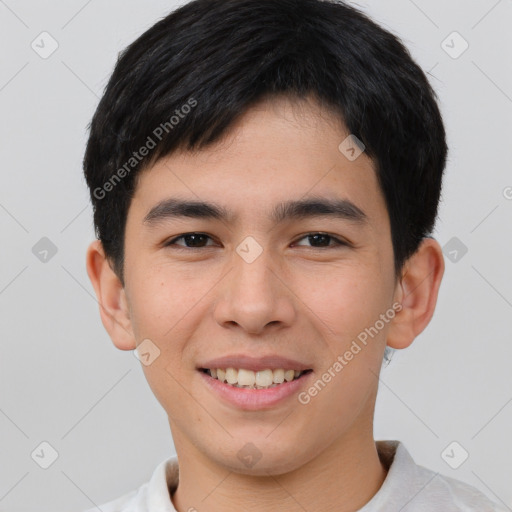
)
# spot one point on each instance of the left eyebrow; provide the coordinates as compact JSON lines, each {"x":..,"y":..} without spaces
{"x":289,"y":210}
{"x":318,"y":207}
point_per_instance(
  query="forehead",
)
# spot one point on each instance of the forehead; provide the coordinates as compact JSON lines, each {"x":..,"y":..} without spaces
{"x":280,"y":149}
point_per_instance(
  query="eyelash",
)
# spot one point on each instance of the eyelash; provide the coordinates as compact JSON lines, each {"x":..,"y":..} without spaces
{"x":337,"y":241}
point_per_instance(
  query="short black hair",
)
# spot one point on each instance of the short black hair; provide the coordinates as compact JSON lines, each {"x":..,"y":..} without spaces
{"x":185,"y":81}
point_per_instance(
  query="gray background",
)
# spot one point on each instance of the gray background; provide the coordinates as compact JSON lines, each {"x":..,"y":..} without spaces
{"x":61,"y":379}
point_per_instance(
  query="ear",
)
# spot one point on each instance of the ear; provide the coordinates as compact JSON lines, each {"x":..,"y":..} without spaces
{"x":114,"y":310}
{"x":417,"y":291}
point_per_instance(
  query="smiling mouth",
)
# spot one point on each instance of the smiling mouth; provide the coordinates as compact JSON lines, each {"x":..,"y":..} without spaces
{"x":263,"y":379}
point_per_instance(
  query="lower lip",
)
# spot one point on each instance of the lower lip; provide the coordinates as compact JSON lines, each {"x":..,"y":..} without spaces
{"x":254,"y":399}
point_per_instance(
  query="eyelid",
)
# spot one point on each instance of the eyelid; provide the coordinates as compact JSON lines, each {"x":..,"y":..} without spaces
{"x":338,"y":242}
{"x":172,"y":241}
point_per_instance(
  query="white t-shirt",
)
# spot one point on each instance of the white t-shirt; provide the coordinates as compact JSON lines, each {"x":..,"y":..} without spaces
{"x":408,"y":487}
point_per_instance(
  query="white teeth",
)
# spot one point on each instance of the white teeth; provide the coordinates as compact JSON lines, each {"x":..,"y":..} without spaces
{"x":288,"y":375}
{"x":279,"y":376}
{"x":264,"y":378}
{"x":246,"y":378}
{"x":232,"y":376}
{"x":257,"y":380}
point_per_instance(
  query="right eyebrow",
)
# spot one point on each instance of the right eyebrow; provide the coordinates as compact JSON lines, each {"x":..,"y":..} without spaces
{"x":173,"y":208}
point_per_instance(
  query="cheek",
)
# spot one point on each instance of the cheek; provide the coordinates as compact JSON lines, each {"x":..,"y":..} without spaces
{"x":165,"y":310}
{"x":347,"y":299}
{"x":161,"y":299}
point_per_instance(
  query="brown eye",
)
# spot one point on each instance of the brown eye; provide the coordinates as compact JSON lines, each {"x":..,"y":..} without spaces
{"x":191,"y":240}
{"x":321,"y":240}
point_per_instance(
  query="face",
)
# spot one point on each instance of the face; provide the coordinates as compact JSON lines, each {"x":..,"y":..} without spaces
{"x":258,"y":287}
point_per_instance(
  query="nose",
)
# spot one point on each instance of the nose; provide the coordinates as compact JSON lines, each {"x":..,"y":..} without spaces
{"x":255,"y":297}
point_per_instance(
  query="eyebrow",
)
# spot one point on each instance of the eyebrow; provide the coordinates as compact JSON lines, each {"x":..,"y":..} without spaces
{"x":173,"y":208}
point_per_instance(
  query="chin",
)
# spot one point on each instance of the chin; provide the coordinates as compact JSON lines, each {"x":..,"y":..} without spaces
{"x":271,"y":459}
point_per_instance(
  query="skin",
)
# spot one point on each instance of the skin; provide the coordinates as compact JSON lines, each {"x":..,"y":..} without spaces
{"x":297,"y":300}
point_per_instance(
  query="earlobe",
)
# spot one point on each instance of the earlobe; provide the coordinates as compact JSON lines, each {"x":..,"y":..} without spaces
{"x":111,"y":296}
{"x":417,"y":291}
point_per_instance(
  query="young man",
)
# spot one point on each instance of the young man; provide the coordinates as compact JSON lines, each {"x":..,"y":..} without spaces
{"x":265,"y":175}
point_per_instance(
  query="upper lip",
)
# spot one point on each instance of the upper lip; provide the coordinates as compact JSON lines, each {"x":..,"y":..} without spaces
{"x":255,"y":364}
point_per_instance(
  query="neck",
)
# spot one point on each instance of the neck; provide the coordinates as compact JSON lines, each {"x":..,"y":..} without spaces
{"x":343,"y":478}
